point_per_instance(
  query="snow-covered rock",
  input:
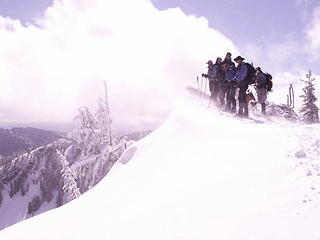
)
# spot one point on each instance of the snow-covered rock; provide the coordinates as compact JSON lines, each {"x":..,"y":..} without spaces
{"x":300,"y":154}
{"x":282,"y":111}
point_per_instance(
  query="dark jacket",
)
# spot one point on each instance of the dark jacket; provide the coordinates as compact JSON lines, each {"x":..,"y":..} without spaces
{"x":220,"y":73}
{"x":261,"y":80}
{"x":229,"y":63}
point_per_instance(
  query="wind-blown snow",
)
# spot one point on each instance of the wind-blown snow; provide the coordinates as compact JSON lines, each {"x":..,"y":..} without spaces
{"x":201,"y":175}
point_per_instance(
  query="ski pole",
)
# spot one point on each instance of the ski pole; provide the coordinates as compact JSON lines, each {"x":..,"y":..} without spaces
{"x":198,"y":84}
{"x":201,"y":87}
{"x":205,"y":87}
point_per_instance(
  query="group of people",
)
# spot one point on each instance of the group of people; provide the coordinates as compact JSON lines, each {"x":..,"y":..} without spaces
{"x":225,"y":78}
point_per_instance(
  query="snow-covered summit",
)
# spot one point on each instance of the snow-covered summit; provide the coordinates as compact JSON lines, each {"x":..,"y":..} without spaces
{"x":201,"y":175}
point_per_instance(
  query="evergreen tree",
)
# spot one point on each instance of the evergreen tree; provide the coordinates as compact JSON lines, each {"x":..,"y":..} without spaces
{"x":0,"y":197}
{"x":34,"y":205}
{"x":69,"y":184}
{"x":309,"y":110}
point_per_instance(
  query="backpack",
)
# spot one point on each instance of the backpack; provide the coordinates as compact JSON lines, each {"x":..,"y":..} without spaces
{"x":251,"y":74}
{"x":269,"y":83}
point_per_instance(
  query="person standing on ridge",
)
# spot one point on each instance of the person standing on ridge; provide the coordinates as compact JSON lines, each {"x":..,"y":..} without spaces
{"x":212,"y":76}
{"x":229,"y":86}
{"x":228,"y":59}
{"x":220,"y":82}
{"x":242,"y":82}
{"x":261,"y":90}
{"x":218,"y":79}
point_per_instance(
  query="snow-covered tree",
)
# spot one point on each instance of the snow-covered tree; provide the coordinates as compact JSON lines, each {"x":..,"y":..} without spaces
{"x":69,"y":184}
{"x":87,"y":120}
{"x":85,"y":135}
{"x":103,"y":118}
{"x":96,"y":132}
{"x":309,"y":110}
{"x":97,"y":144}
{"x":104,"y":123}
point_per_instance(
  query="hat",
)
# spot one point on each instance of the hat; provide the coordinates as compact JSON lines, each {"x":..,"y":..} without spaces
{"x":238,"y":58}
{"x":209,"y":62}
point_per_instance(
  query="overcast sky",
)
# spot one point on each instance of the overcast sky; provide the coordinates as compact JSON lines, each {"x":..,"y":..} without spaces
{"x":54,"y":57}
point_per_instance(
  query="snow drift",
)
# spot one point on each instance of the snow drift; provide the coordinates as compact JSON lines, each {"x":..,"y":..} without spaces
{"x":201,"y":175}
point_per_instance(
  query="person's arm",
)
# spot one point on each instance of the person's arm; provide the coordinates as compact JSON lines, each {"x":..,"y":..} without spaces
{"x":241,"y":74}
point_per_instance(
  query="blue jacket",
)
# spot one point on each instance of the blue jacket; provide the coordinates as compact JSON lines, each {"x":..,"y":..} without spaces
{"x":241,"y":72}
{"x":230,"y":74}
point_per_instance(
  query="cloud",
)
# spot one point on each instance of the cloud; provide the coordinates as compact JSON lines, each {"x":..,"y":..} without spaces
{"x":305,"y":5}
{"x":289,"y":52}
{"x":313,"y":34}
{"x":146,"y":56}
{"x":276,"y":55}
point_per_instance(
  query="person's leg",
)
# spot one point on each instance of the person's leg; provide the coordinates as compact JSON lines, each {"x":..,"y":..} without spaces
{"x":243,"y":105}
{"x":233,"y":101}
{"x":211,"y":88}
{"x":228,"y":100}
{"x":262,"y":97}
{"x":245,"y":109}
{"x":215,"y":90}
{"x":222,"y":93}
{"x":240,"y":111}
{"x":263,"y":108}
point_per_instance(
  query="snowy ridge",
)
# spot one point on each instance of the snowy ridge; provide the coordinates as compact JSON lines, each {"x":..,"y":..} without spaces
{"x":276,"y":112}
{"x":201,"y":175}
{"x":57,"y":173}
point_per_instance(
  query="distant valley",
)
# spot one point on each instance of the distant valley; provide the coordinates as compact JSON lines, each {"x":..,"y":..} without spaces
{"x":17,"y":140}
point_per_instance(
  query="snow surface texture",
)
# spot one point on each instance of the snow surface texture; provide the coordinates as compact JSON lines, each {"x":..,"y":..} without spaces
{"x":201,"y":175}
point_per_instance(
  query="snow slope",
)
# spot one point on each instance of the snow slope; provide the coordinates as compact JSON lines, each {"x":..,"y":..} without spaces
{"x":201,"y":175}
